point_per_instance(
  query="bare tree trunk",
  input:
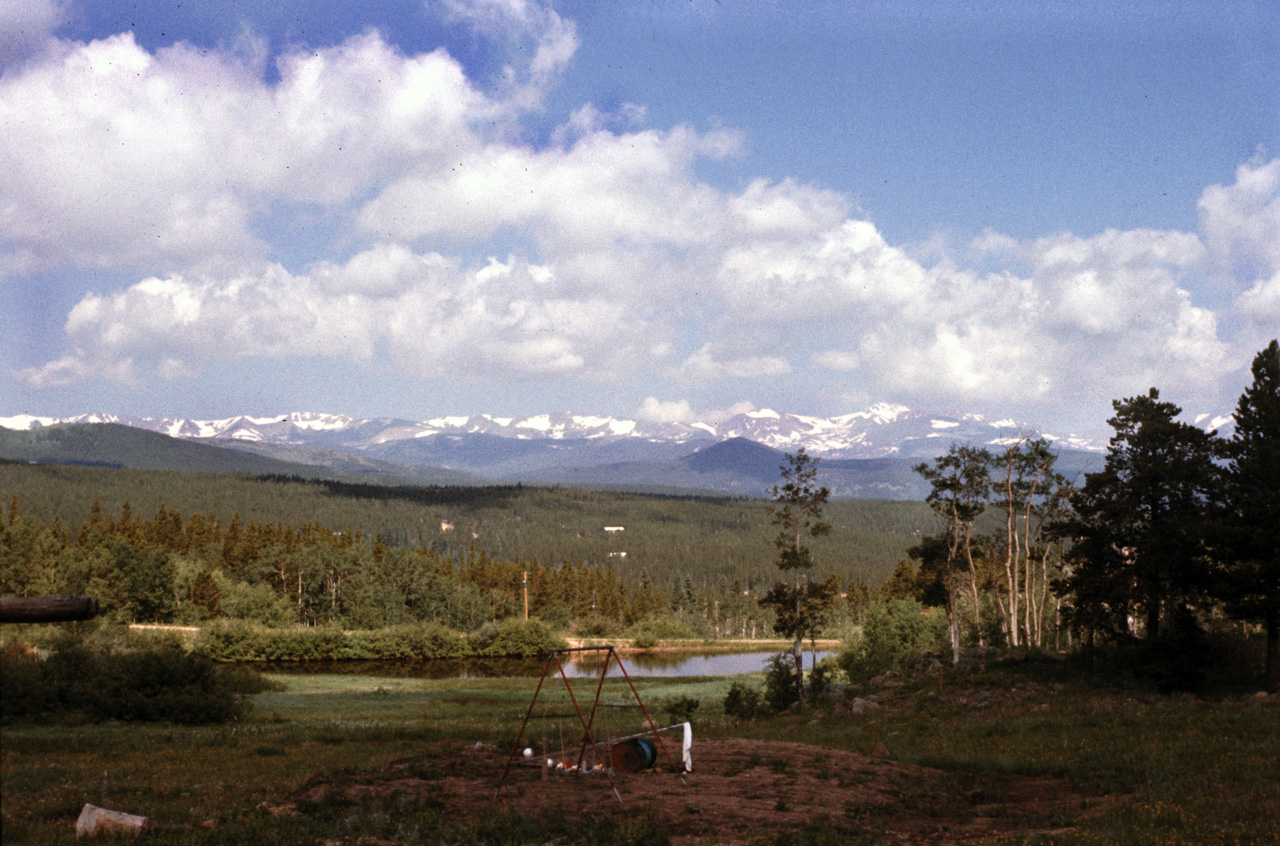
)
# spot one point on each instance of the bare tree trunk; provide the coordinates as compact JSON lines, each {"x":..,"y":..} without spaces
{"x":977,"y":606}
{"x":1004,"y":614}
{"x":1011,"y":570}
{"x":953,"y":615}
{"x":1273,"y":651}
{"x":1057,"y":624}
{"x":977,"y":609}
{"x":797,"y":648}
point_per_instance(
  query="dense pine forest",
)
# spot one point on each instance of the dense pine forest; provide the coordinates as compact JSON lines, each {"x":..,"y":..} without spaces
{"x":160,"y":546}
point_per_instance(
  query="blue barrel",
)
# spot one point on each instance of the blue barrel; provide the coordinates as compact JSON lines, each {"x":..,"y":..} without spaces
{"x":634,"y":755}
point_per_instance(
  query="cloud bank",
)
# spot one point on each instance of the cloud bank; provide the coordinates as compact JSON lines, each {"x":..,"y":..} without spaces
{"x":454,"y":247}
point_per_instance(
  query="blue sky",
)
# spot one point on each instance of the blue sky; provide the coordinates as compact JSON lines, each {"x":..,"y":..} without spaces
{"x":663,"y":209}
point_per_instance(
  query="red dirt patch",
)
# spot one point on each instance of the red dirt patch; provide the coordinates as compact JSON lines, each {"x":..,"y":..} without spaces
{"x":740,"y":789}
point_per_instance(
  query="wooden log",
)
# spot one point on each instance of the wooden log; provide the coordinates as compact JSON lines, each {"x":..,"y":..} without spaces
{"x":46,"y":609}
{"x":94,"y":821}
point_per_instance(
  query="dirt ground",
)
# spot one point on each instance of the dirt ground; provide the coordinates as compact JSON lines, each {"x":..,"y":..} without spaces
{"x":740,"y":789}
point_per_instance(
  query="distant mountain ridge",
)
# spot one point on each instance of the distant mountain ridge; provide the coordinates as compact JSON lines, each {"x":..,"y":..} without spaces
{"x":116,"y":445}
{"x":865,"y":454}
{"x":880,"y":431}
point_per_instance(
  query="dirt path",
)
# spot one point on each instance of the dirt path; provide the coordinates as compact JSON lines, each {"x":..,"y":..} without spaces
{"x":741,"y":788}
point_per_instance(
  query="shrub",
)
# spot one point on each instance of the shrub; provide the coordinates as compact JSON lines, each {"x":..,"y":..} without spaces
{"x":22,"y":687}
{"x":598,"y":627}
{"x":679,"y":710}
{"x":412,"y":641}
{"x":660,"y":629}
{"x":780,"y":682}
{"x":237,"y":641}
{"x":150,"y":685}
{"x":892,"y":634}
{"x":819,"y":680}
{"x":515,"y":638}
{"x":742,"y":702}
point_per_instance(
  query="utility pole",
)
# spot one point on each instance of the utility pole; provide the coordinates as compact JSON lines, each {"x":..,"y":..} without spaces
{"x":526,"y":596}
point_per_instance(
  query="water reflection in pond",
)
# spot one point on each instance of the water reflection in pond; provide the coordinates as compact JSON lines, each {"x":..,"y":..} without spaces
{"x":668,"y":664}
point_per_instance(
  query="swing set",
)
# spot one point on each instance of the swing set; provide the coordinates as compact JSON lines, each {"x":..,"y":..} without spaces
{"x":626,"y":754}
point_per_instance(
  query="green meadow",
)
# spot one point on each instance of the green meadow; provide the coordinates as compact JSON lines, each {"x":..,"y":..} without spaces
{"x":1176,"y":769}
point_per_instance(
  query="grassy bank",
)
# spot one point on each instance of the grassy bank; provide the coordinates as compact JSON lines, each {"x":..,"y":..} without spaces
{"x":1179,"y":770}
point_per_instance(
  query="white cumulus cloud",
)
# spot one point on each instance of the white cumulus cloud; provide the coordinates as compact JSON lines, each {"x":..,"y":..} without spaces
{"x":180,"y":168}
{"x":655,"y":410}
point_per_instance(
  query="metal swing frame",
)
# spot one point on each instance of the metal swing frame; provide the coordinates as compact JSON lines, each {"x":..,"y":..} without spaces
{"x":587,"y":721}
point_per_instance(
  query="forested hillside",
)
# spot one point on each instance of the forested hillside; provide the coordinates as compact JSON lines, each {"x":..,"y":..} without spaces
{"x":165,"y":546}
{"x":670,"y":537}
{"x":115,"y":445}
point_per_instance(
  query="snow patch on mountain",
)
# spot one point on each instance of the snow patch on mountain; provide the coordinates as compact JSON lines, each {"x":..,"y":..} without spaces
{"x":23,"y":422}
{"x":879,"y":431}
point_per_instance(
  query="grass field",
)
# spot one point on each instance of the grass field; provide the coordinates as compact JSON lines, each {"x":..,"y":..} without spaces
{"x":1180,"y":770}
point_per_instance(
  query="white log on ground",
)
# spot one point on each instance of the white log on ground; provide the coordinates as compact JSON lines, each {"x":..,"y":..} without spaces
{"x":94,"y":820}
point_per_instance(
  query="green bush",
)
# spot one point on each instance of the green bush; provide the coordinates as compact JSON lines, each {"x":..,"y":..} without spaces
{"x":515,"y":639}
{"x":238,"y":641}
{"x":892,"y":633}
{"x":429,"y":641}
{"x":22,"y":685}
{"x":780,"y":682}
{"x":680,"y":709}
{"x":819,"y":680}
{"x":742,"y":702}
{"x":645,"y":641}
{"x":660,"y":629}
{"x":596,"y":627}
{"x":150,"y":685}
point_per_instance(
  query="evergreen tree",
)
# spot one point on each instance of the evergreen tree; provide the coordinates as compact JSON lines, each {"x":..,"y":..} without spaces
{"x":1252,"y":588}
{"x":903,"y":584}
{"x":1141,"y":523}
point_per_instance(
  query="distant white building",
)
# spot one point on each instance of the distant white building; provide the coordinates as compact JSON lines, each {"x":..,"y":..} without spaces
{"x":615,"y":528}
{"x":446,"y":526}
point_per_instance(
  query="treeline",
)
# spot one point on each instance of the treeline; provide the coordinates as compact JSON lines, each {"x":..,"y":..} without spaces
{"x":672,"y":539}
{"x":177,"y":569}
{"x":1179,"y":528}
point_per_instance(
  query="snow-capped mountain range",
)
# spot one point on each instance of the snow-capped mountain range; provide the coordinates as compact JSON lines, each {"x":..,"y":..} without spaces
{"x":867,"y":453}
{"x":880,"y":431}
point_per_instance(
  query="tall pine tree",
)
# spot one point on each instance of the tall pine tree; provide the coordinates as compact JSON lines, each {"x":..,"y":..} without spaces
{"x":1141,"y":525}
{"x":1252,"y":588}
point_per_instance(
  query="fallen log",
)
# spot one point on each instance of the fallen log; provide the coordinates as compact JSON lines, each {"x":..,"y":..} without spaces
{"x":46,"y":609}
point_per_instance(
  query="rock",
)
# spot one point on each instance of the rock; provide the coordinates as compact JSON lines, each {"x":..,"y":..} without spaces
{"x":881,"y":751}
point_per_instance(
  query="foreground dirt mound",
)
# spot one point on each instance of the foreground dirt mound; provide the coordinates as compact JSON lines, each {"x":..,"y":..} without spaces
{"x":740,"y":789}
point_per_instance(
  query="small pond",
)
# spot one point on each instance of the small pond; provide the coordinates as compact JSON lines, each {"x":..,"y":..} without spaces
{"x":668,"y":664}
